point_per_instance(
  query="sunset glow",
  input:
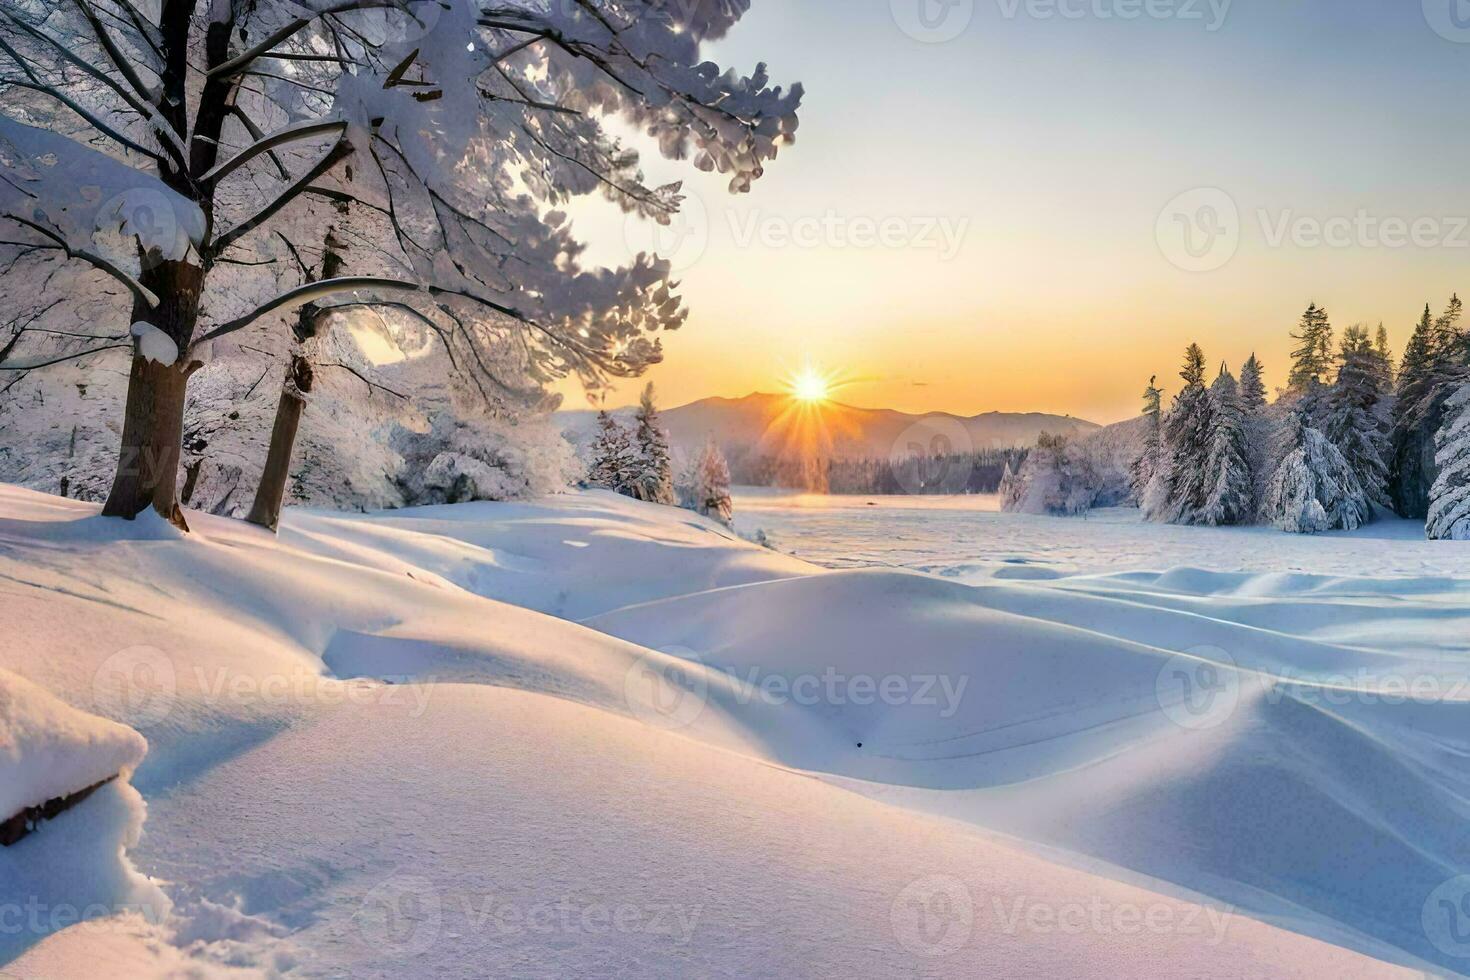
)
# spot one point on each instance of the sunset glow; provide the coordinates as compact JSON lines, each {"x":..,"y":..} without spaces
{"x":810,"y":386}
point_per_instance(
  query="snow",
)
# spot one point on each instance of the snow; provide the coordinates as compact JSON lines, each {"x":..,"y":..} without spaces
{"x":49,"y":749}
{"x":578,"y":736}
{"x":154,"y":344}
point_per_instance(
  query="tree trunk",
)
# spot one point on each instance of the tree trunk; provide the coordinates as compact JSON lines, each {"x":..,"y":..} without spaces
{"x":271,"y":494}
{"x":153,"y":422}
{"x":266,"y":511}
{"x":153,"y":432}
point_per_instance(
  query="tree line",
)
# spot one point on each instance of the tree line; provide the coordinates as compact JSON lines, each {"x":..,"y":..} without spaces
{"x":1348,"y":433}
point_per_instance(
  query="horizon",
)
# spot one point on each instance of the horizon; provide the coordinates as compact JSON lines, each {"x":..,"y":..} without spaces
{"x":833,"y":402}
{"x":1052,"y":277}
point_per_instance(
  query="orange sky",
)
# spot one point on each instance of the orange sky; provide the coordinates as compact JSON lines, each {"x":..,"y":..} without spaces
{"x":1049,"y":152}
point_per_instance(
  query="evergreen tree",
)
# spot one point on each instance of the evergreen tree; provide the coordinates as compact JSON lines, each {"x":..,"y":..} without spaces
{"x":1311,"y":360}
{"x":1146,"y":466}
{"x":1252,"y":386}
{"x":1011,"y":489}
{"x":1230,"y":496}
{"x":1351,"y":420}
{"x":1384,"y":354}
{"x":708,"y":492}
{"x":1183,"y":483}
{"x":1432,"y":368}
{"x":614,"y":461}
{"x":1313,"y":489}
{"x":1449,"y":503}
{"x":1260,"y":435}
{"x":654,"y":479}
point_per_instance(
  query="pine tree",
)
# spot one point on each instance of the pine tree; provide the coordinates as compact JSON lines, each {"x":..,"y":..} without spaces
{"x":1313,"y":489}
{"x":654,"y":480}
{"x":1433,"y":367}
{"x":1260,"y":434}
{"x":1183,"y":480}
{"x":1252,"y":385}
{"x":1011,"y":488}
{"x":614,"y":461}
{"x":1146,"y":466}
{"x":1350,"y":413}
{"x":1384,"y":355}
{"x":1312,"y":358}
{"x":1449,"y":500}
{"x":709,"y":493}
{"x":1230,"y":496}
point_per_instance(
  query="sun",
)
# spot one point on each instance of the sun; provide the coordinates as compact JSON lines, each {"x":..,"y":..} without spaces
{"x":810,"y":386}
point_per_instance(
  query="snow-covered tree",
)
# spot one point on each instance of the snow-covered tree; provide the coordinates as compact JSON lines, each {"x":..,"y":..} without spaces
{"x":1146,"y":466}
{"x":1011,"y":488}
{"x":705,"y":488}
{"x":1260,"y":428}
{"x":654,"y":481}
{"x":1384,"y":354}
{"x":1351,"y":416}
{"x":1057,"y":478}
{"x":166,"y":148}
{"x":1183,"y":483}
{"x":1231,"y":494}
{"x":1449,"y":501}
{"x":1313,"y":489}
{"x":1433,"y":366}
{"x":1252,"y":385}
{"x":615,"y":464}
{"x":1311,"y":359}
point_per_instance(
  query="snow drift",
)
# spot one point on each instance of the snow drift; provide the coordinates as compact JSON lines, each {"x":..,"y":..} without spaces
{"x":375,"y":750}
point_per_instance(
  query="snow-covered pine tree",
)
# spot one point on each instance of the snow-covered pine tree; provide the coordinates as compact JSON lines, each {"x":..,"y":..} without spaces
{"x":1432,"y":368}
{"x":710,"y":493}
{"x":1252,"y":385}
{"x":1188,"y":432}
{"x":1311,"y":359}
{"x":1231,"y":495}
{"x":1350,"y":416}
{"x":1384,"y":354}
{"x":654,"y":481}
{"x":614,"y":460}
{"x":1449,"y":501}
{"x":1010,"y":489}
{"x":1260,"y":428}
{"x":1313,"y":489}
{"x":1146,"y":466}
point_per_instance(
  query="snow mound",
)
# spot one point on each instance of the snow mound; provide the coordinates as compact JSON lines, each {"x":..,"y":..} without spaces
{"x":373,"y":740}
{"x":49,"y":749}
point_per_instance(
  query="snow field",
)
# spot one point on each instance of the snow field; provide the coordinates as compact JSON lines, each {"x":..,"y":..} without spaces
{"x":374,"y":749}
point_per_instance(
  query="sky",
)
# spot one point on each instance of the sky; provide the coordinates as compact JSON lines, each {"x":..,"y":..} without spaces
{"x":1034,"y":205}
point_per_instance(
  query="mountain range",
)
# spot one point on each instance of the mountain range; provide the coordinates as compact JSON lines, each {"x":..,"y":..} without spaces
{"x":778,"y":425}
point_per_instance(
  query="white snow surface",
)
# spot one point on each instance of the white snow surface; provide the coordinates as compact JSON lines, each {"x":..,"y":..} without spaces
{"x":576,"y":737}
{"x":49,"y":749}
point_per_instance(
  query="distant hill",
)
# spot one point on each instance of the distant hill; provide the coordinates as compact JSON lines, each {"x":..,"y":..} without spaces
{"x":766,"y":424}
